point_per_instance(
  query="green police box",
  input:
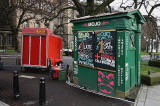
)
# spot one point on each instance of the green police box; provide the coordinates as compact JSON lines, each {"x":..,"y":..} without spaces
{"x":107,"y":52}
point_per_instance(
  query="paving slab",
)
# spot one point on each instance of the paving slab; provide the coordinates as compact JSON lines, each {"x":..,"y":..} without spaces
{"x":3,"y":104}
{"x":153,"y":93}
{"x":152,"y":102}
{"x":139,"y":104}
{"x":148,"y":96}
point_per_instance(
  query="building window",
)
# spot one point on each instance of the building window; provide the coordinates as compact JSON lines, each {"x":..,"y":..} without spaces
{"x":9,"y":40}
{"x":37,"y":25}
{"x":25,"y":24}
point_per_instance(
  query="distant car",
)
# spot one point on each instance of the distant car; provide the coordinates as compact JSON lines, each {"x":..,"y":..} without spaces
{"x":68,"y":52}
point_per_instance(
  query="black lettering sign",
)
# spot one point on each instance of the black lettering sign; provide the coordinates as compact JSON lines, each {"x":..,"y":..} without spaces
{"x":104,"y":56}
{"x":97,"y":49}
{"x":85,"y":48}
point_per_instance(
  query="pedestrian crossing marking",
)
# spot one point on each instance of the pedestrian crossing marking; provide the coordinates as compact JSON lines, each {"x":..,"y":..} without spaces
{"x":26,"y":76}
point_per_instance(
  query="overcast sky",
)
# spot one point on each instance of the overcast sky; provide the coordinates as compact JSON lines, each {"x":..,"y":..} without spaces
{"x":156,"y":12}
{"x":116,"y":5}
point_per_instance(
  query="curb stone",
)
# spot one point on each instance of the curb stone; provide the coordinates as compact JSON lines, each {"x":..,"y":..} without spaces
{"x":141,"y":97}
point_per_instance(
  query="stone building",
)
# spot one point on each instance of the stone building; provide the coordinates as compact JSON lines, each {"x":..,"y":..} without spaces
{"x":7,"y":22}
{"x":60,"y":25}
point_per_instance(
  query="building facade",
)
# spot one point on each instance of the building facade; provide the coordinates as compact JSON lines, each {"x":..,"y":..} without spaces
{"x":60,"y":25}
{"x":6,"y":24}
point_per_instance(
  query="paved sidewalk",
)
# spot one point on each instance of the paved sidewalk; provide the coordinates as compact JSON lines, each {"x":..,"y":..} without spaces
{"x":3,"y":104}
{"x":148,"y":96}
{"x":58,"y":93}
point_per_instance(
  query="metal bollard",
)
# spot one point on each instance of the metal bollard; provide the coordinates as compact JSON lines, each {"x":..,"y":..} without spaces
{"x":67,"y":73}
{"x":42,"y":92}
{"x":15,"y":85}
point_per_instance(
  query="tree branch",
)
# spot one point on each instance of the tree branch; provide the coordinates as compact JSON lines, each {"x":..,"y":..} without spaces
{"x":125,"y":7}
{"x":135,"y":4}
{"x":103,"y":5}
{"x":151,"y":10}
{"x":25,"y":20}
{"x":80,"y":8}
{"x":20,"y":19}
{"x":141,"y":3}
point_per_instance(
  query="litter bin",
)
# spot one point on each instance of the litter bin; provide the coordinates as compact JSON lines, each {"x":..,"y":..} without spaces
{"x":107,"y":52}
{"x":62,"y":75}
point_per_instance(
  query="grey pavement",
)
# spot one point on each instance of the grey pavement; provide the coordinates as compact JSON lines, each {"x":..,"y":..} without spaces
{"x":58,"y":93}
{"x":3,"y":104}
{"x":148,"y":96}
{"x":67,"y":60}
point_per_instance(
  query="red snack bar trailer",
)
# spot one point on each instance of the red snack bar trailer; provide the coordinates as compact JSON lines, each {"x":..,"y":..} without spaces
{"x":40,"y":49}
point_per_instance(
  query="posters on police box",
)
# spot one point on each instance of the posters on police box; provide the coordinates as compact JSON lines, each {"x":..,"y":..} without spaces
{"x":97,"y":49}
{"x":85,"y":48}
{"x":105,"y":50}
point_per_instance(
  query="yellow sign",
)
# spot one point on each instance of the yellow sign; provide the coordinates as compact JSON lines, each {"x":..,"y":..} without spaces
{"x":40,"y":31}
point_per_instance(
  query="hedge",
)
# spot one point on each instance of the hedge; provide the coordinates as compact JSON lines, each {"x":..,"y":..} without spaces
{"x":154,"y":63}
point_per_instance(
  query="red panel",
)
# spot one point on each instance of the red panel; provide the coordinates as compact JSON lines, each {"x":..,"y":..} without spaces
{"x":54,"y":47}
{"x":25,"y":57}
{"x":43,"y":51}
{"x":35,"y":41}
{"x":51,"y":49}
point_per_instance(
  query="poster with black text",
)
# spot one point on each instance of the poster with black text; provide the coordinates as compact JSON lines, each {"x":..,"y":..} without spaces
{"x":85,"y":48}
{"x":104,"y":56}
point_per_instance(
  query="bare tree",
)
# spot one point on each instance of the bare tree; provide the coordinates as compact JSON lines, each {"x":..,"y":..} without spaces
{"x":47,"y":10}
{"x":150,"y":30}
{"x":92,"y":7}
{"x":39,"y":10}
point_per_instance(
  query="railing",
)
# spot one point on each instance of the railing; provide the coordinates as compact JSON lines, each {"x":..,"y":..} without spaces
{"x":6,"y":48}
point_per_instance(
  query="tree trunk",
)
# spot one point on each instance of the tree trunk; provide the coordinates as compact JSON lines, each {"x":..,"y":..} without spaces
{"x":157,"y":45}
{"x":136,"y":4}
{"x":147,"y":48}
{"x":152,"y":45}
{"x":15,"y":40}
{"x":90,"y":7}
